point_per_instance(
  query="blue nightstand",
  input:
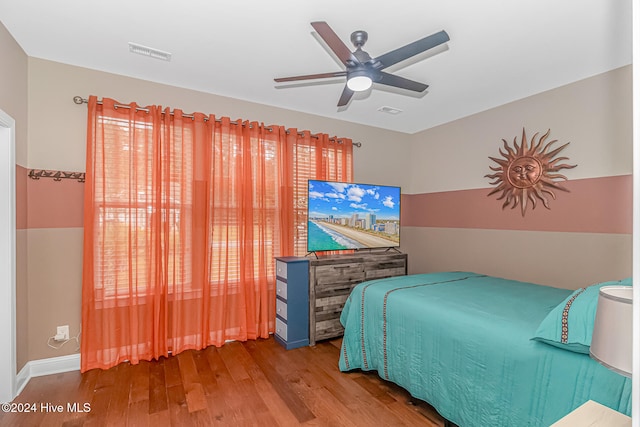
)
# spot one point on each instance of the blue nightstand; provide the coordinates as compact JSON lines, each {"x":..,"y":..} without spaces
{"x":292,"y":302}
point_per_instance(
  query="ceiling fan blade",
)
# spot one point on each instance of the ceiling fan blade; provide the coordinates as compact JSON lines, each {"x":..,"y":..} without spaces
{"x":345,"y":97}
{"x":412,"y":49}
{"x":401,"y":82}
{"x":341,"y":50}
{"x":311,"y":76}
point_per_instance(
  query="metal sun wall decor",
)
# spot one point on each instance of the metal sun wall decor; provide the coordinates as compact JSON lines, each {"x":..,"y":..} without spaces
{"x":528,"y":173}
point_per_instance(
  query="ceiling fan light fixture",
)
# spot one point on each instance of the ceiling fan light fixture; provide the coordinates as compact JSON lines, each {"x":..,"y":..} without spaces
{"x":359,"y":81}
{"x":361,"y":69}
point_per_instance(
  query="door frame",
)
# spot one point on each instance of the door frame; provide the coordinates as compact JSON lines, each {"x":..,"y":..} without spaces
{"x":8,"y":368}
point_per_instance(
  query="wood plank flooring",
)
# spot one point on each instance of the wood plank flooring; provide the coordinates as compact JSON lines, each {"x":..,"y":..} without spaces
{"x":239,"y":384}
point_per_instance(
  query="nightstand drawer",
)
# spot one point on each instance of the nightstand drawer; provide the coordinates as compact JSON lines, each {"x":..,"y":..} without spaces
{"x":281,"y":289}
{"x":281,"y":329}
{"x":281,"y":269}
{"x":281,"y":309}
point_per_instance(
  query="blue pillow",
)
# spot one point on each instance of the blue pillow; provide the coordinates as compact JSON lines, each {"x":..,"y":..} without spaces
{"x":570,"y":324}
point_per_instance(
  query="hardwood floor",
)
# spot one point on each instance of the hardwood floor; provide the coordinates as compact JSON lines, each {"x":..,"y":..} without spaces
{"x":239,"y":384}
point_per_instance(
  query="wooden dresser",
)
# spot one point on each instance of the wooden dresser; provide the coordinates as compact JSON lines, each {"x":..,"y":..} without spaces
{"x":331,"y":280}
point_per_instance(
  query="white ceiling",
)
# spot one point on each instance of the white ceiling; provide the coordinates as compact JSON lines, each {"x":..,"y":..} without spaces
{"x":499,"y":51}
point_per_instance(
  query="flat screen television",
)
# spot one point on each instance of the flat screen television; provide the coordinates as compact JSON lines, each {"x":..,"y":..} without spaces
{"x":344,"y":215}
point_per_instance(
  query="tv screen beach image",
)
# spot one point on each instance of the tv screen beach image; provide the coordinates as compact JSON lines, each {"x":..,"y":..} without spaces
{"x":352,"y":216}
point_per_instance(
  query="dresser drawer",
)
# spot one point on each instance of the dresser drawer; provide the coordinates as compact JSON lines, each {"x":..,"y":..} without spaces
{"x":389,"y":266}
{"x":281,"y":269}
{"x":281,"y":289}
{"x":281,"y":308}
{"x":347,"y":273}
{"x":329,"y":328}
{"x":281,"y":329}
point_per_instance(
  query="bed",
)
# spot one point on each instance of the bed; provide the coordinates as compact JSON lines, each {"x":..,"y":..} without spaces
{"x":483,"y":351}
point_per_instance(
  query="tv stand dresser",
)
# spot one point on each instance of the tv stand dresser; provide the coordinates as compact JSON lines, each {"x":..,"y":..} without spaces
{"x":324,"y":288}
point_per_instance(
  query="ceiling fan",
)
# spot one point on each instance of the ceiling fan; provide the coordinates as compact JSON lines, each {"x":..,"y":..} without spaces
{"x":362,"y":70}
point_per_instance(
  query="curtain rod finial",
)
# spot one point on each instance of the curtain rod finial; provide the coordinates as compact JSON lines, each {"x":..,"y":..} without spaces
{"x":78,"y":100}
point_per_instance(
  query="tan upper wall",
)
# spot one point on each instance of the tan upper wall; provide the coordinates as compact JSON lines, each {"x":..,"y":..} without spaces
{"x":57,"y":138}
{"x":594,"y":115}
{"x":13,"y":89}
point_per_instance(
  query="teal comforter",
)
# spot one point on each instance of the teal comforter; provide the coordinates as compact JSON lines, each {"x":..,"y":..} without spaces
{"x":462,"y":342}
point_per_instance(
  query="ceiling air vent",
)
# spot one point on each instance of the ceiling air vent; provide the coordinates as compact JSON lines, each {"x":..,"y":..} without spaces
{"x":390,"y":110}
{"x":149,"y":51}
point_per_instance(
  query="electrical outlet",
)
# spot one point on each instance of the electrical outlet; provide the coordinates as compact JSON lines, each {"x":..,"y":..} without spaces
{"x":63,"y":333}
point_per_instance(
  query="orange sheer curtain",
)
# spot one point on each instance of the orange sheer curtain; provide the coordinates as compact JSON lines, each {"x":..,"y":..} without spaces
{"x":183,"y":217}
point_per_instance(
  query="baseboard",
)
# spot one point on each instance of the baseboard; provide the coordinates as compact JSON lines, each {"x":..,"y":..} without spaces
{"x":53,"y":365}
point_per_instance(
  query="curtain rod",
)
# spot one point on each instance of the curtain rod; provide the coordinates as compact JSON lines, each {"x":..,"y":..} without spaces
{"x":80,"y":100}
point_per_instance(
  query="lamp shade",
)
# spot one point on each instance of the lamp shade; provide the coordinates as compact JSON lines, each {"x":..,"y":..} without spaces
{"x":612,"y":340}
